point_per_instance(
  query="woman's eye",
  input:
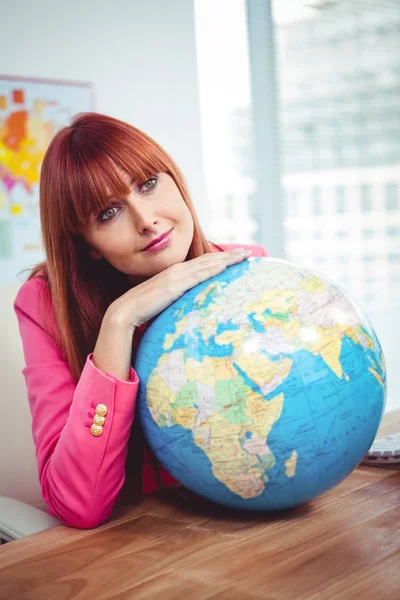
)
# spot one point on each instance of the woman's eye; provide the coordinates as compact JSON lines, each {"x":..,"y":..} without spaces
{"x":107,"y":213}
{"x":150,"y":183}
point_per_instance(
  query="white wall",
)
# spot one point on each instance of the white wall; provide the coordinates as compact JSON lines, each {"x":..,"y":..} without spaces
{"x":140,"y":56}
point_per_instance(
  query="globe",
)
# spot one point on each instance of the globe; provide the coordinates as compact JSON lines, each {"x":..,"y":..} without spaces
{"x":262,"y":387}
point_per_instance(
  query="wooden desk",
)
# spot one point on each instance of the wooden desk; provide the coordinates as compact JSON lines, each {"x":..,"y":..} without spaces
{"x":344,"y":545}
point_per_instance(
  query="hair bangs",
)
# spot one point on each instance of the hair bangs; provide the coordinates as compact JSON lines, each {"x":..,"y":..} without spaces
{"x":98,"y":168}
{"x":95,"y":179}
{"x":134,"y":153}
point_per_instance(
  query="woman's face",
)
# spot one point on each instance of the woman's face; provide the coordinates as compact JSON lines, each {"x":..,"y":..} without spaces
{"x":121,"y":233}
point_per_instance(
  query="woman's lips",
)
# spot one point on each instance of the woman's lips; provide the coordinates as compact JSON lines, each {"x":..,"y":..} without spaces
{"x":161,"y":243}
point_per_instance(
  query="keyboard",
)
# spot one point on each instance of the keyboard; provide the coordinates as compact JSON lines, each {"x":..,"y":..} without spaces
{"x":384,"y":452}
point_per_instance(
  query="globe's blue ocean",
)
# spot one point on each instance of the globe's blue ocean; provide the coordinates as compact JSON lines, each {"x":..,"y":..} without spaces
{"x":291,"y":339}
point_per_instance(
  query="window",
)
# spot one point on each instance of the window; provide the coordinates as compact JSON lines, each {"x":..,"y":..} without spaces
{"x":368,"y":234}
{"x":339,"y":125}
{"x":393,"y":231}
{"x":316,"y":201}
{"x":392,"y":197}
{"x":366,"y":198}
{"x":340,"y":199}
{"x":325,"y":76}
{"x":226,"y":120}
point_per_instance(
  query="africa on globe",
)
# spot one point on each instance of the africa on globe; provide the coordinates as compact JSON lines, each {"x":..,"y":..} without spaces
{"x":262,"y":387}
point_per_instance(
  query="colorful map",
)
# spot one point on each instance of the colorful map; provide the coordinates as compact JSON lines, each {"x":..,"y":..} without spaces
{"x":262,"y":387}
{"x":31,"y":112}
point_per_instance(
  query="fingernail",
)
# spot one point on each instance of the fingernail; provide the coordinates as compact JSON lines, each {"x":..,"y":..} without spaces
{"x":238,"y":250}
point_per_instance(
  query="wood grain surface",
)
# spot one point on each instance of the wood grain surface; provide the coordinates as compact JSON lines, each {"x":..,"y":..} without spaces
{"x":344,"y":545}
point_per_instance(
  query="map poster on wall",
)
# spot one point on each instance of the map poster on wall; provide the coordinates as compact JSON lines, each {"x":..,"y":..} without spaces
{"x":31,"y":113}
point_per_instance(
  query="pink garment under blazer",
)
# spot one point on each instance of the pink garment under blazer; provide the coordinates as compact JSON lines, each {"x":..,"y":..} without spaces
{"x":80,"y":474}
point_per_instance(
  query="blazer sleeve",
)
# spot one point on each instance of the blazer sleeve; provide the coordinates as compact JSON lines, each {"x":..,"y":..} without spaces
{"x":257,"y":249}
{"x":261,"y":251}
{"x":80,"y":474}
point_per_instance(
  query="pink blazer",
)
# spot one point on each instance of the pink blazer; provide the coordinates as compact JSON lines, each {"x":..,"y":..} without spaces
{"x":80,"y":474}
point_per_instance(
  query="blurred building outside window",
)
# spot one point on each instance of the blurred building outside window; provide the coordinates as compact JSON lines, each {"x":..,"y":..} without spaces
{"x":339,"y":105}
{"x":338,"y":80}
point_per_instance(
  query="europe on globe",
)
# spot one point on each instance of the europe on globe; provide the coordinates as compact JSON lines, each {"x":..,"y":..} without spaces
{"x":262,"y":387}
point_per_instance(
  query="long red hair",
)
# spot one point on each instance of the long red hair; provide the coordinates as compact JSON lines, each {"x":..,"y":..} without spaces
{"x":79,"y":170}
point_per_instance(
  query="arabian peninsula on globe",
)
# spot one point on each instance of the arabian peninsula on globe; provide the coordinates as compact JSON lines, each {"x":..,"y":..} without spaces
{"x":262,"y":387}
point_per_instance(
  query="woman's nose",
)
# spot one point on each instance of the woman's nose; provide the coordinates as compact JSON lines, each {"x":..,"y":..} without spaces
{"x":144,"y":218}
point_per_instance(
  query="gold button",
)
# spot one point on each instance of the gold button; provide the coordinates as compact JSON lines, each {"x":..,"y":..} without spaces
{"x":98,"y":420}
{"x":96,"y":430}
{"x":101,"y":410}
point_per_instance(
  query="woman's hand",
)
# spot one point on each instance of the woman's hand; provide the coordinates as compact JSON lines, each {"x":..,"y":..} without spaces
{"x":148,"y":299}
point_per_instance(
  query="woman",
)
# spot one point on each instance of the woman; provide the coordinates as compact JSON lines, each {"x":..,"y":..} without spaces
{"x":122,"y":242}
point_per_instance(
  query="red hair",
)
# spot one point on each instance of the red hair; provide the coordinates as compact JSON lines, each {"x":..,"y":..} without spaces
{"x":79,"y":170}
